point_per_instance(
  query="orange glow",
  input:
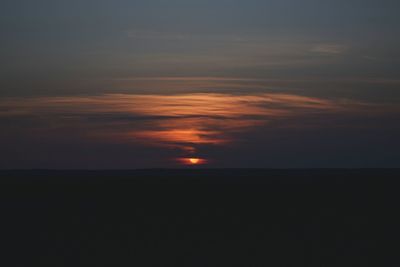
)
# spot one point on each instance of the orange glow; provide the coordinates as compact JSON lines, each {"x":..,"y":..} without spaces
{"x":194,"y":160}
{"x":183,"y":122}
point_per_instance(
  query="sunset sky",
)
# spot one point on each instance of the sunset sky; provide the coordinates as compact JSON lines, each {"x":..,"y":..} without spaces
{"x":221,"y":83}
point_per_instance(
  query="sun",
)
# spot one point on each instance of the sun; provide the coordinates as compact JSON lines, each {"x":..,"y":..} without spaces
{"x":194,"y":161}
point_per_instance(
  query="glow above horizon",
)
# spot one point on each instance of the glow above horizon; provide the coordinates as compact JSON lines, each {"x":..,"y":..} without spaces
{"x":182,"y":122}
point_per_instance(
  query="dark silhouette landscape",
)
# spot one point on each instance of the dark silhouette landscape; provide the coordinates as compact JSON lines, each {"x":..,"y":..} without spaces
{"x":200,"y":217}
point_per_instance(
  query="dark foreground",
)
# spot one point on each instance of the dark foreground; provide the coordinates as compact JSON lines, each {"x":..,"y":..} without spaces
{"x":200,"y":218}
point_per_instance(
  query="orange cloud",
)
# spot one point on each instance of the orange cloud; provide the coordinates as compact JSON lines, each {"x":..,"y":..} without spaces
{"x":183,"y":121}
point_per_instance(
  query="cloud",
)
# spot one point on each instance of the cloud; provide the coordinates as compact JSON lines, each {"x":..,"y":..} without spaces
{"x":180,"y":121}
{"x":330,"y":49}
{"x":157,"y":35}
{"x":148,"y":130}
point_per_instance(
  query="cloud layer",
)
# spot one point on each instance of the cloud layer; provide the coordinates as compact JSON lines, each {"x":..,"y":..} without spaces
{"x":184,"y":124}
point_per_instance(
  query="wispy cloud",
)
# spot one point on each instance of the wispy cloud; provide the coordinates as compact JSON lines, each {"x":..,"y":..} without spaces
{"x":160,"y":35}
{"x":330,"y":49}
{"x":224,"y":50}
{"x":183,"y":121}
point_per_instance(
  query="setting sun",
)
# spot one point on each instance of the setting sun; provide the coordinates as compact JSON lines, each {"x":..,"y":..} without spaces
{"x":194,"y":160}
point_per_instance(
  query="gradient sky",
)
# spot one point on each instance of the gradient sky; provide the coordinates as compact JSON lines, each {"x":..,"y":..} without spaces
{"x":255,"y":83}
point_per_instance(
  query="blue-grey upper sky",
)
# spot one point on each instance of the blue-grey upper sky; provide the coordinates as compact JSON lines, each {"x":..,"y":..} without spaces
{"x":69,"y":70}
{"x":65,"y":46}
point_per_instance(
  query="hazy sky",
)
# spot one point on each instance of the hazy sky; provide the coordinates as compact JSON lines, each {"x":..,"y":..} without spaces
{"x":255,"y":83}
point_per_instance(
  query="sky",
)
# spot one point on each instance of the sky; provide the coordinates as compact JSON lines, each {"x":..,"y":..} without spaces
{"x":227,"y":83}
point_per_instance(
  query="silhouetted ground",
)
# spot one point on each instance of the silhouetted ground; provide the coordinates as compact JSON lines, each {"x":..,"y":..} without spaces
{"x":200,"y":218}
